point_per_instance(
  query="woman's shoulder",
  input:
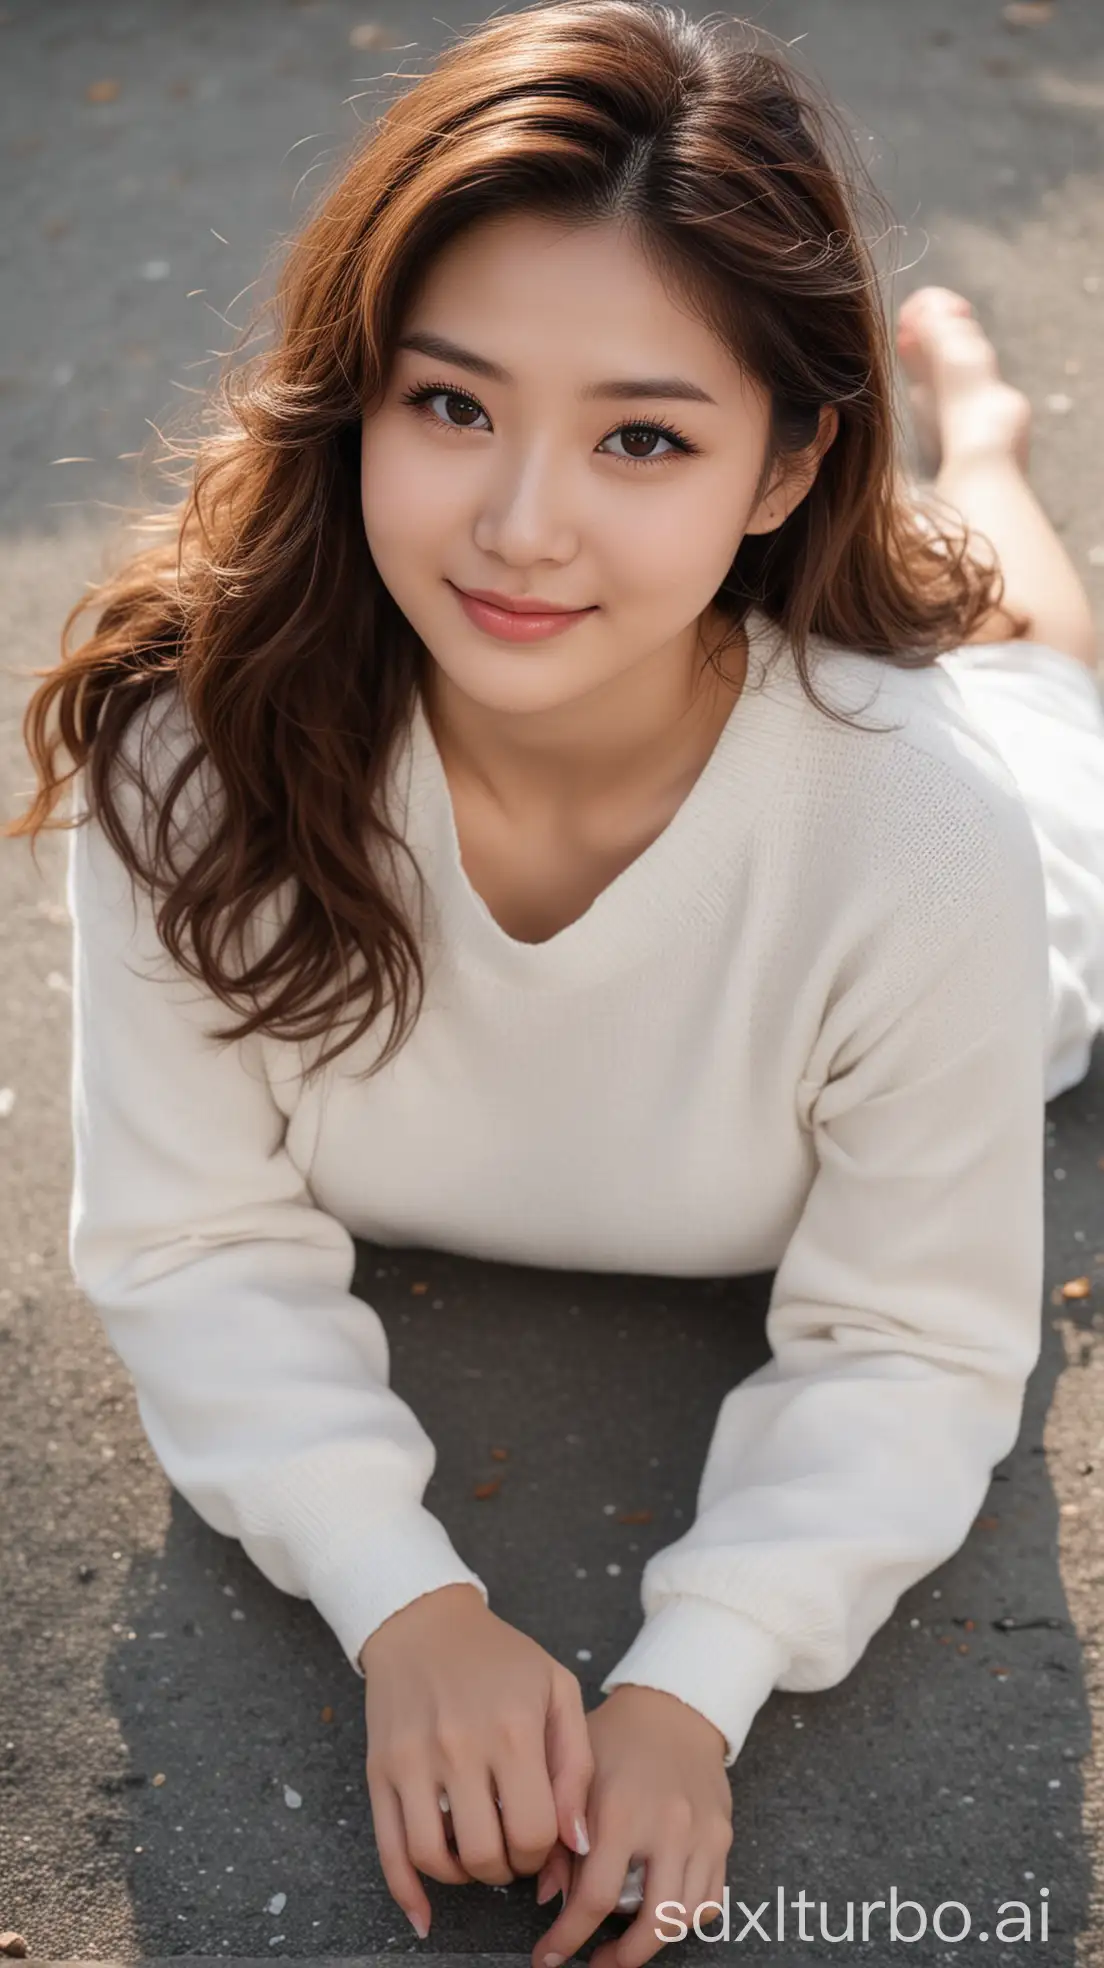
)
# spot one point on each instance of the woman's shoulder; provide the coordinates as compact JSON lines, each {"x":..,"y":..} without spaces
{"x":909,"y":731}
{"x":910,"y":801}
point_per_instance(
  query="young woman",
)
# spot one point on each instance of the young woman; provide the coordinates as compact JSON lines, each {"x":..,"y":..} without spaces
{"x":630,"y":834}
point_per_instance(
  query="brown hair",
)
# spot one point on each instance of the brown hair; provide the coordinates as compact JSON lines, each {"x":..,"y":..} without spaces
{"x":261,"y":604}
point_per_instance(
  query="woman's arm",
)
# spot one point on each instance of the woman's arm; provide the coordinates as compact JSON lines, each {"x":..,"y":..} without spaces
{"x":905,"y":1314}
{"x":261,"y":1381}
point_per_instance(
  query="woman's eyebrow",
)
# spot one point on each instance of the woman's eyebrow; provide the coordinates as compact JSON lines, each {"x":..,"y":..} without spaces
{"x":444,"y":350}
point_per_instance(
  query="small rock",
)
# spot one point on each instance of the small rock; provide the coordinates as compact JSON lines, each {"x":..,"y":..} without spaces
{"x":7,"y":1101}
{"x":1096,"y":559}
{"x":1028,"y":13}
{"x":158,"y":1779}
{"x":1059,"y":403}
{"x":292,"y":1798}
{"x":327,"y":1714}
{"x":13,"y":1944}
{"x":102,"y":92}
{"x":277,"y":1903}
{"x":237,"y":1614}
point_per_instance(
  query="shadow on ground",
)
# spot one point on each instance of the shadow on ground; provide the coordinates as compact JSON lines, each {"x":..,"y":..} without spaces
{"x":945,"y":1765}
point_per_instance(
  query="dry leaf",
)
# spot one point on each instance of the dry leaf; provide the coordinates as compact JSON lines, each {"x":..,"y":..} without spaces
{"x":102,"y":92}
{"x":969,"y":1625}
{"x":1077,"y":1288}
{"x":986,"y":1523}
{"x":158,"y":1780}
{"x":482,"y":1490}
{"x":962,"y":1647}
{"x":1029,"y":13}
{"x":417,"y":1289}
{"x":499,"y":1455}
{"x":635,"y":1517}
{"x":327,"y":1714}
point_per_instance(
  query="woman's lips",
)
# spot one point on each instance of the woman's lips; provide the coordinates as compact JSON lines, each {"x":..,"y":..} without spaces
{"x":511,"y":626}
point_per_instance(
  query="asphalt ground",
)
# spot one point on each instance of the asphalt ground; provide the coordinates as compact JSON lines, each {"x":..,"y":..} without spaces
{"x":162,"y":1706}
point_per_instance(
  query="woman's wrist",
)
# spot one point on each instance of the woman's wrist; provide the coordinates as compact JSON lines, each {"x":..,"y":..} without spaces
{"x":637,"y":1694}
{"x":428,"y":1605}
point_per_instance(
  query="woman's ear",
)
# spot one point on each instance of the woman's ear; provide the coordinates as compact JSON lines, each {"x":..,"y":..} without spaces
{"x":795,"y":477}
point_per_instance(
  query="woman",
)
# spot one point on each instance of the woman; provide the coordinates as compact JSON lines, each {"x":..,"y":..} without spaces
{"x":514,"y":651}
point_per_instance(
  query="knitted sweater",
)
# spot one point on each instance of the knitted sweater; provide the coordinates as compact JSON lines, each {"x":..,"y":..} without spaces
{"x":803,"y":1032}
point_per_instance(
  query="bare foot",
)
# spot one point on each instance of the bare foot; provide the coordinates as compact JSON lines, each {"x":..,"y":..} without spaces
{"x":961,"y":406}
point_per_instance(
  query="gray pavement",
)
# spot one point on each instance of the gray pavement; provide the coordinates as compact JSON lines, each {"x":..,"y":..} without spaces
{"x":161,"y":1706}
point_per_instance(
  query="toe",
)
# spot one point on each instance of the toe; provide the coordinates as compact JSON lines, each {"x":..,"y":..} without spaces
{"x":922,"y":311}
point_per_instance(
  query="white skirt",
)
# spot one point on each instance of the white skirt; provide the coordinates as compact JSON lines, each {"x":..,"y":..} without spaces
{"x":1044,"y":711}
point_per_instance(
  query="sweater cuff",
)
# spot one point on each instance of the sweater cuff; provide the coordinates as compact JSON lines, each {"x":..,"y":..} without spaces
{"x":373,"y":1569}
{"x":716,"y":1660}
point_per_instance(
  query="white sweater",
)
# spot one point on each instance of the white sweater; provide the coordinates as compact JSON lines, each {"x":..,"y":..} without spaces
{"x":805,"y":1031}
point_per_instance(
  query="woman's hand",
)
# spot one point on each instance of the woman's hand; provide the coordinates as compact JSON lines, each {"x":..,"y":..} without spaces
{"x":660,"y":1793}
{"x":459,"y":1703}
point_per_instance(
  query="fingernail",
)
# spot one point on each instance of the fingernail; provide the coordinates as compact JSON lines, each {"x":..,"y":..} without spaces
{"x":582,"y":1842}
{"x":420,"y":1926}
{"x":552,"y":1960}
{"x":545,"y":1889}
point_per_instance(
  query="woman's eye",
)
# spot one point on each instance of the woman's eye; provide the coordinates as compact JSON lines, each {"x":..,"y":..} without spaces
{"x":455,"y":402}
{"x":641,"y":435}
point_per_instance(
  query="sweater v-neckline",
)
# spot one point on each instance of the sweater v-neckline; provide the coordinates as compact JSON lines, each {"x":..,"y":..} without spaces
{"x":666,"y":888}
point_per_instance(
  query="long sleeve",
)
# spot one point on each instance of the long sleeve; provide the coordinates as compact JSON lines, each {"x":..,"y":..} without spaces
{"x":261,"y":1381}
{"x":905,"y":1315}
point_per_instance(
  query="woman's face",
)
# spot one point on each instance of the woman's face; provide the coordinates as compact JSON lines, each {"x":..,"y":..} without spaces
{"x":532,"y":466}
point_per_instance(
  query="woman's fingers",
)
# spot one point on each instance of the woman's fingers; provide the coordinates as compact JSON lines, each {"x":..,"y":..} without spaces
{"x":595,"y":1891}
{"x":528,"y":1806}
{"x":664,"y":1879}
{"x":569,"y":1758}
{"x":476,"y":1824}
{"x":556,"y":1874}
{"x":403,"y":1883}
{"x":705,"y":1879}
{"x":426,"y":1832}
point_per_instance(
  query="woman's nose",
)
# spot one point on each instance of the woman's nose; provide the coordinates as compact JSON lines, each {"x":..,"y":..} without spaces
{"x":527,"y":513}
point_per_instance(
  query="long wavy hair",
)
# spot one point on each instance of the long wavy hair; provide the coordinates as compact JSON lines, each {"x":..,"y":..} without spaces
{"x":258,"y":602}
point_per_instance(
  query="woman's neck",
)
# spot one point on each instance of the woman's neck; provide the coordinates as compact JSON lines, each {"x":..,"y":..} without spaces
{"x":649,"y":730}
